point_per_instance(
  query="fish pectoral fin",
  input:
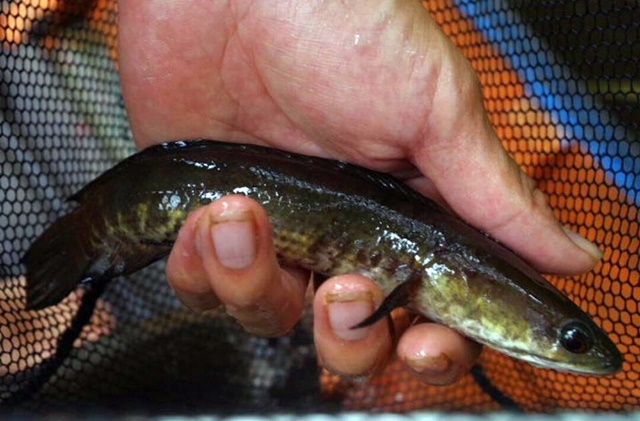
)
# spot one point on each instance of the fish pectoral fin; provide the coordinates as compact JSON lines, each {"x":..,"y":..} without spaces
{"x":399,"y":297}
{"x":318,"y":279}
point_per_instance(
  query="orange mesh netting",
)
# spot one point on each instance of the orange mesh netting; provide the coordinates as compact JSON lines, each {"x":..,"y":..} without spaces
{"x":561,"y":83}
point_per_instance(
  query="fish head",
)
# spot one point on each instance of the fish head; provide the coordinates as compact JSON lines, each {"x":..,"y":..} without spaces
{"x":579,"y":346}
{"x":499,"y":300}
{"x":550,"y":331}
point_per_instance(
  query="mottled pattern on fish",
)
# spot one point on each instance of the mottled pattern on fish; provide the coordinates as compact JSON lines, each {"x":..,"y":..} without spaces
{"x":332,"y":218}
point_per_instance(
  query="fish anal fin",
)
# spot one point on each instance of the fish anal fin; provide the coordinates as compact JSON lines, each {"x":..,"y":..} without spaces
{"x":168,"y":244}
{"x":401,"y":296}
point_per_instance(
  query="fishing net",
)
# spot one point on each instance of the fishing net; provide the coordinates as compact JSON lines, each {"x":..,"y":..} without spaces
{"x":561,"y":83}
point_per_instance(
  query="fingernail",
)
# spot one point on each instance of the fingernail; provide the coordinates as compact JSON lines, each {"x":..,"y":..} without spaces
{"x":430,"y":364}
{"x":234,"y":238}
{"x":185,"y":240}
{"x":584,"y":244}
{"x":346,"y":309}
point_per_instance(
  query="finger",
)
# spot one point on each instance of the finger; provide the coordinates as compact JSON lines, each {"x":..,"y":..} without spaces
{"x":436,"y":354}
{"x":339,"y":304}
{"x":466,"y":161}
{"x":233,"y":238}
{"x":185,"y":272}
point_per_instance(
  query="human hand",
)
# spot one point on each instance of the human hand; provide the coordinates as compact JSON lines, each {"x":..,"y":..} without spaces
{"x":378,"y":86}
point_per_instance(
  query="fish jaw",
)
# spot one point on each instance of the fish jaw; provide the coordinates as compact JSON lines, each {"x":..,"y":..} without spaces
{"x":592,"y":365}
{"x":544,"y":352}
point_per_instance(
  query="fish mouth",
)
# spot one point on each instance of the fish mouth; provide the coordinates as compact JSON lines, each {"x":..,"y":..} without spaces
{"x":599,"y":366}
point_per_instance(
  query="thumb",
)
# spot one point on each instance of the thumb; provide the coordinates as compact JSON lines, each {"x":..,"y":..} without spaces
{"x":469,"y":167}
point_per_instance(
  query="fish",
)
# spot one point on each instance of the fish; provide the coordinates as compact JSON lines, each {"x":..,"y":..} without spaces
{"x":332,"y":218}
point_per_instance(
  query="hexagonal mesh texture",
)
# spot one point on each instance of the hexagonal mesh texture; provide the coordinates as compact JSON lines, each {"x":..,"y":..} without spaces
{"x":561,"y":83}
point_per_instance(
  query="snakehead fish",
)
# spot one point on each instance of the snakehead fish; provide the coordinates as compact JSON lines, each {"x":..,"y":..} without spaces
{"x":329,"y":217}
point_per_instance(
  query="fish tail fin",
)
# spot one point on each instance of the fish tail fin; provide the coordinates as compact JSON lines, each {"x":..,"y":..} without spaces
{"x":57,"y":261}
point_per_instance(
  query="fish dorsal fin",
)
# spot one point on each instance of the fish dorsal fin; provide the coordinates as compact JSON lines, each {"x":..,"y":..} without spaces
{"x":153,"y":151}
{"x":396,"y":188}
{"x":390,"y":183}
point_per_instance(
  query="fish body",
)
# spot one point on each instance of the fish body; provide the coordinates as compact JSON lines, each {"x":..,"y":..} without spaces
{"x":329,"y":217}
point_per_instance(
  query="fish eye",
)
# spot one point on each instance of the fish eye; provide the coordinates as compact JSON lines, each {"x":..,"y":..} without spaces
{"x":576,"y":337}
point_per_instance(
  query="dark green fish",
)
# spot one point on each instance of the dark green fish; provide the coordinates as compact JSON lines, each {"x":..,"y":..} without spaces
{"x":332,"y":218}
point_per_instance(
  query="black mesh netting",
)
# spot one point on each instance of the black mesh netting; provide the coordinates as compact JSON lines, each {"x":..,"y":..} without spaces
{"x":562,"y":88}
